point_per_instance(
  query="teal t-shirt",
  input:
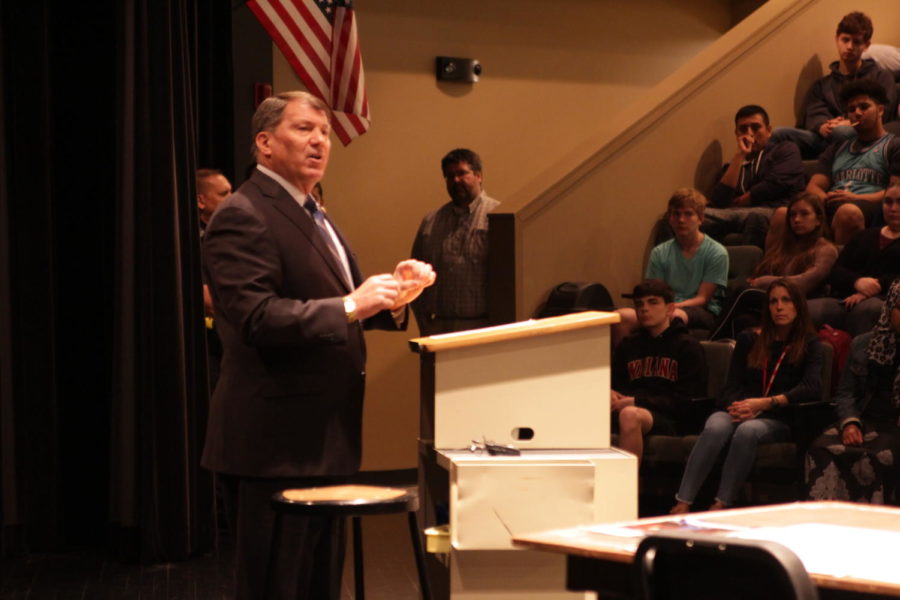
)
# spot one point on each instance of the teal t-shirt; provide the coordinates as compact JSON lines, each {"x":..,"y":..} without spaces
{"x":709,"y":264}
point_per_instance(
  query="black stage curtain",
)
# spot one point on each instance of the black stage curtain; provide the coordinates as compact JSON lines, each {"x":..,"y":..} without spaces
{"x":102,"y":360}
{"x":215,"y":83}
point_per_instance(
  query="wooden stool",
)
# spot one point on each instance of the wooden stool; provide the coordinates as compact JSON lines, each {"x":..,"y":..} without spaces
{"x":352,"y":501}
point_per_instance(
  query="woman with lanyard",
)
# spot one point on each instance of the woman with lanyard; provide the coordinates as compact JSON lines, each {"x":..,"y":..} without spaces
{"x":856,"y":458}
{"x":779,"y":363}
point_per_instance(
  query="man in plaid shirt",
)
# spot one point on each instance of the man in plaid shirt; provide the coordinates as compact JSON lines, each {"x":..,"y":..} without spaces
{"x":453,"y":239}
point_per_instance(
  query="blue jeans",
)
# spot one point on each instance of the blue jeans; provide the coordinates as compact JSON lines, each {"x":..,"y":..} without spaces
{"x":744,"y":437}
{"x":812,"y":144}
{"x":856,"y":321}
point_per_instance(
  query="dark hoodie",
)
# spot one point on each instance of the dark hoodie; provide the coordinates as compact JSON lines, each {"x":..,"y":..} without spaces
{"x":662,"y":373}
{"x":771,"y":176}
{"x":823,"y":102}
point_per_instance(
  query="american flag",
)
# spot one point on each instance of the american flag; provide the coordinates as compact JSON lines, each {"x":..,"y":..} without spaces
{"x":318,"y":37}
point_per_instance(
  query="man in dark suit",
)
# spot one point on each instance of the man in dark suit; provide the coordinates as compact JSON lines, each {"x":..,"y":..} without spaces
{"x":291,"y":308}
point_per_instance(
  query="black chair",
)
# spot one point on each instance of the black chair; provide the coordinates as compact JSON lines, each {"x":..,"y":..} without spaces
{"x":743,"y":309}
{"x":575,"y":296}
{"x":696,"y":566}
{"x":353,"y":501}
{"x":718,"y":363}
{"x":741,"y":262}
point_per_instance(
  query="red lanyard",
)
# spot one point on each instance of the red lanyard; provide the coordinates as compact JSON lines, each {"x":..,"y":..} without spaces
{"x":767,"y":382}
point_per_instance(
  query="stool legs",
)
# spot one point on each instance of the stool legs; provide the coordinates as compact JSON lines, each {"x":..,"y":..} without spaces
{"x":420,"y":555}
{"x":418,"y":551}
{"x":358,"y":575}
{"x":273,"y":557}
{"x":358,"y":560}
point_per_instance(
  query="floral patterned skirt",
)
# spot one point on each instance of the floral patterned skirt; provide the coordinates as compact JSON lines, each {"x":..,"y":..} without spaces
{"x":865,"y":473}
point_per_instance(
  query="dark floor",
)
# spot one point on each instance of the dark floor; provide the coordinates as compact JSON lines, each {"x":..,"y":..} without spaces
{"x":390,"y":572}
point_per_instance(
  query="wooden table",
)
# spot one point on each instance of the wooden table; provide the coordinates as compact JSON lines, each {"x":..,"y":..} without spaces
{"x":850,"y":550}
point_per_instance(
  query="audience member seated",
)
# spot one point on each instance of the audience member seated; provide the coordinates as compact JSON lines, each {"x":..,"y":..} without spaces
{"x":824,"y":119}
{"x":761,"y":176}
{"x":773,"y":366}
{"x":865,"y":268}
{"x":803,"y":255}
{"x":656,"y":370}
{"x":856,"y":458}
{"x":851,"y":176}
{"x":888,"y":58}
{"x":693,"y":264}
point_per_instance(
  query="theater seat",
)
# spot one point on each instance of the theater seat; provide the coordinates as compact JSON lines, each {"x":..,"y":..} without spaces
{"x":741,"y":262}
{"x":678,"y":565}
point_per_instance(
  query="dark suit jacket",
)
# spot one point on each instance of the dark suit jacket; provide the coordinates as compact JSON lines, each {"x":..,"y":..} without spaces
{"x":289,"y":399}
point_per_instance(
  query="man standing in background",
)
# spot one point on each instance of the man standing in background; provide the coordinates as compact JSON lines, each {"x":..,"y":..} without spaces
{"x":453,"y":238}
{"x":212,"y":188}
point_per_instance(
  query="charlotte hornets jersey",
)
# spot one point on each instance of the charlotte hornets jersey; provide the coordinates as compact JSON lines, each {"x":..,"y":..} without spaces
{"x":861,"y":168}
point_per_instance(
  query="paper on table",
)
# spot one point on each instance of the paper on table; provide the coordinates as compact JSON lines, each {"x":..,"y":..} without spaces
{"x":673,"y":524}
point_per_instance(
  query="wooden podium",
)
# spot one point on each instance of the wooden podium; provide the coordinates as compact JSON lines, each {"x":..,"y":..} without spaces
{"x":541,"y":386}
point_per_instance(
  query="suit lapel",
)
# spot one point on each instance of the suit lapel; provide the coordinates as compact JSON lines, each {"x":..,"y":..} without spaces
{"x":299,"y":217}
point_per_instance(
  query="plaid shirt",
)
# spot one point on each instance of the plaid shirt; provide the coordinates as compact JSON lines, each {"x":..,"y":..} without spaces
{"x":453,"y":240}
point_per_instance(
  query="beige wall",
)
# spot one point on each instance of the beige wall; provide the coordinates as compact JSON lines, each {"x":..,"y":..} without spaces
{"x":555,"y":74}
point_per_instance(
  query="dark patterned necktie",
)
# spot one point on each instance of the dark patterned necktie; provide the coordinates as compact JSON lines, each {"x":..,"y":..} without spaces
{"x":319,"y":218}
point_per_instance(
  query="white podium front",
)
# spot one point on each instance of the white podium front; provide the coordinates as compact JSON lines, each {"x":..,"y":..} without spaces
{"x":541,"y":386}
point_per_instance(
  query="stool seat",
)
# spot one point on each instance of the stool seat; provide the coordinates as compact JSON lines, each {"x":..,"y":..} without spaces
{"x":345,"y":500}
{"x":350,"y":501}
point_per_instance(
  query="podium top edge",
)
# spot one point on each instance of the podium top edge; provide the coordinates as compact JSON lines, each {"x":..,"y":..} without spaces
{"x":511,"y":331}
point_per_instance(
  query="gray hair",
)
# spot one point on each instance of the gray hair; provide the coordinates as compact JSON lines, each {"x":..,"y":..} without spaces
{"x":270,"y":111}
